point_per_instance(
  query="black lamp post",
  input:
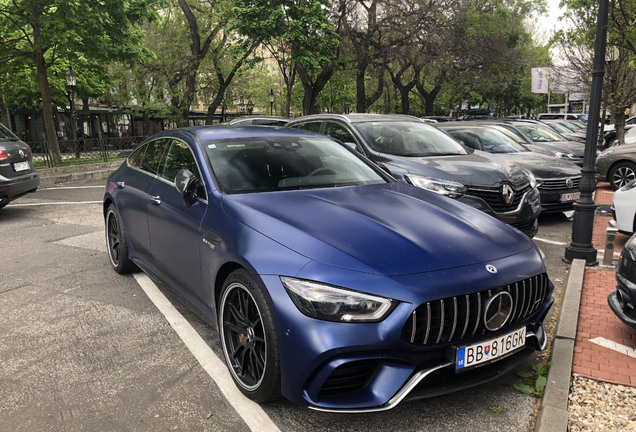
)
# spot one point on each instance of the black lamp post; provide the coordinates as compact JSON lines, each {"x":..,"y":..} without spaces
{"x":271,"y":101}
{"x":70,"y":86}
{"x":581,"y":246}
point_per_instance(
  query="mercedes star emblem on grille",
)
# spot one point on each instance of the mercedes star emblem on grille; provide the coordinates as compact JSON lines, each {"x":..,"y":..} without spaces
{"x":498,"y":310}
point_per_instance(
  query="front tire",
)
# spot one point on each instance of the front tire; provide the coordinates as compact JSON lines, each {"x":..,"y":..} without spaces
{"x":116,"y":242}
{"x":621,"y":174}
{"x":248,"y":337}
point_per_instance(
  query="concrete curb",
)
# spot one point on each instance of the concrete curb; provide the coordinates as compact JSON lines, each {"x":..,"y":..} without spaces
{"x":553,"y":415}
{"x":53,"y":176}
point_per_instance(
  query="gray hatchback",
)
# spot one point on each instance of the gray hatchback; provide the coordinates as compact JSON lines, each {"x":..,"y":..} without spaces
{"x":420,"y":154}
{"x":18,"y":176}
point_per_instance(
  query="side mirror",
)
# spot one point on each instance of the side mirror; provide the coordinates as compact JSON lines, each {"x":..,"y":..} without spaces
{"x":468,"y":148}
{"x":186,"y":184}
{"x":351,"y":146}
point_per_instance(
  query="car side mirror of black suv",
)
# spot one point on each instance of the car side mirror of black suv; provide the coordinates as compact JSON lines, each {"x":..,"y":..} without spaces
{"x":186,"y":184}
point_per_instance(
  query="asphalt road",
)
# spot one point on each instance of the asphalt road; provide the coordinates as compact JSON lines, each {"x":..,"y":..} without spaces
{"x":85,"y":349}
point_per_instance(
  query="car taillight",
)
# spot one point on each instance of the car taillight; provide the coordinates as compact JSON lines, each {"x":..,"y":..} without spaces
{"x":3,"y":155}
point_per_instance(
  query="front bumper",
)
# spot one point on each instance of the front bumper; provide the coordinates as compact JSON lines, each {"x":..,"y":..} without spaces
{"x":523,"y":216}
{"x":623,"y":300}
{"x":437,"y":379}
{"x":551,"y":200}
{"x":366,"y":367}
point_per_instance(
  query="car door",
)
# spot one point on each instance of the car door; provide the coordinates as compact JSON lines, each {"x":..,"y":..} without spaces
{"x":132,"y":201}
{"x":175,"y":238}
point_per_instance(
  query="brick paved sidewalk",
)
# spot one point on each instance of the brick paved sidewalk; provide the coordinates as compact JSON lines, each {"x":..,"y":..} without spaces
{"x":603,"y":342}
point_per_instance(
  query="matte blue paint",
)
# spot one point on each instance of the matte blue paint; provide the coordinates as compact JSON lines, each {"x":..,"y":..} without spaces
{"x":392,"y":240}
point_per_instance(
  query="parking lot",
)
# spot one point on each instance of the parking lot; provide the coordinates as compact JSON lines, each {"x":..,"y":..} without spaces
{"x":84,"y":348}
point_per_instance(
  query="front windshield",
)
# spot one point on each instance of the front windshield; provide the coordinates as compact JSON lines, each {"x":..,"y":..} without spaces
{"x":408,"y":138}
{"x":487,"y":139}
{"x":540,"y":133}
{"x":573,"y":126}
{"x":281,"y":163}
{"x":560,"y":127}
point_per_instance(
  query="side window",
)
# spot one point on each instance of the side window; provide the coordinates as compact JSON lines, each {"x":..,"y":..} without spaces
{"x":152,"y":157}
{"x":137,"y":156}
{"x":338,"y":132}
{"x":178,"y":157}
{"x":341,"y":133}
{"x":312,"y":126}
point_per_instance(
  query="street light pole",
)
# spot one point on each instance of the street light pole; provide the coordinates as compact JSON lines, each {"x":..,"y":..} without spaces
{"x":271,"y":102}
{"x":581,"y":246}
{"x":70,"y":85}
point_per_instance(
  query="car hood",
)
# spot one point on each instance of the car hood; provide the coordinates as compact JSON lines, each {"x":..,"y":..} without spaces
{"x":575,"y":148}
{"x":473,"y":169}
{"x":386,"y":229}
{"x":625,"y":149}
{"x":542,"y":166}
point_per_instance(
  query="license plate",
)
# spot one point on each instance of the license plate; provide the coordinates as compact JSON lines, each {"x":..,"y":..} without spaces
{"x":569,"y":197}
{"x":21,"y":166}
{"x":492,"y":349}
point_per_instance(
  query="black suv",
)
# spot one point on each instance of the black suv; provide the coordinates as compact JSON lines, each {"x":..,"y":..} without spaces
{"x":420,"y":154}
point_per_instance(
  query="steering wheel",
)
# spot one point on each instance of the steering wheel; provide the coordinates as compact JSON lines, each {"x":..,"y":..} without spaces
{"x":322,"y":171}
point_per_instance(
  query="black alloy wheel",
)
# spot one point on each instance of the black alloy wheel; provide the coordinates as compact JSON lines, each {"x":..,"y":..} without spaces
{"x":116,"y":243}
{"x":621,"y":174}
{"x":250,"y":345}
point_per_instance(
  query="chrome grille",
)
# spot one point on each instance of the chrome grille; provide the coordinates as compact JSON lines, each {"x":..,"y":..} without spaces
{"x":555,"y":184}
{"x":495,"y":200}
{"x":455,"y":318}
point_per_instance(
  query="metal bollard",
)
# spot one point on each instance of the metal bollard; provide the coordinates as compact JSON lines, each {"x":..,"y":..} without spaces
{"x":608,"y":255}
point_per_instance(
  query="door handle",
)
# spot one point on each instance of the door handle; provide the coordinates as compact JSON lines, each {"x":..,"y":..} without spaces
{"x":120,"y":185}
{"x":156,"y":200}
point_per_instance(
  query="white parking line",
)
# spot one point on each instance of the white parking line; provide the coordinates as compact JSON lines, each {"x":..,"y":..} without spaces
{"x":71,"y":187}
{"x":54,"y":203}
{"x":614,"y":346}
{"x":251,"y":413}
{"x":549,"y":241}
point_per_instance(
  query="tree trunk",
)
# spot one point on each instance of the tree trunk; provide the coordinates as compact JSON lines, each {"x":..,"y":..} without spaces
{"x":47,"y":108}
{"x":361,"y":94}
{"x":45,"y":90}
{"x":619,"y":124}
{"x":313,"y":88}
{"x":4,"y":114}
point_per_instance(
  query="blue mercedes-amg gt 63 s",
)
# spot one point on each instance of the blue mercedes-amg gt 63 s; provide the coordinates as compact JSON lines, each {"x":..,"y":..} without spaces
{"x":330,"y":283}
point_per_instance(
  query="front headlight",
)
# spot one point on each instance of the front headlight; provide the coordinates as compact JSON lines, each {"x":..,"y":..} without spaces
{"x":566,"y":156}
{"x":326,"y":302}
{"x":532,"y":179}
{"x":443,"y":187}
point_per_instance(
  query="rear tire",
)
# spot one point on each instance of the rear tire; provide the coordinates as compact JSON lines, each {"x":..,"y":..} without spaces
{"x":116,"y":242}
{"x":248,"y":338}
{"x":621,"y":174}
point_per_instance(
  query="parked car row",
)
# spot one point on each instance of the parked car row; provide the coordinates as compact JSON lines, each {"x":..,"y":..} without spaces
{"x":557,"y":180}
{"x":278,"y":235}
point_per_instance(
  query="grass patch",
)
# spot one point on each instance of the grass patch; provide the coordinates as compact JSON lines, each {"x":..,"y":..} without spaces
{"x":534,"y":381}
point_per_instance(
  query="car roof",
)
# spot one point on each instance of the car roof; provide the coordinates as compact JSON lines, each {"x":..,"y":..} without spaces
{"x":360,"y":118}
{"x":211,"y":133}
